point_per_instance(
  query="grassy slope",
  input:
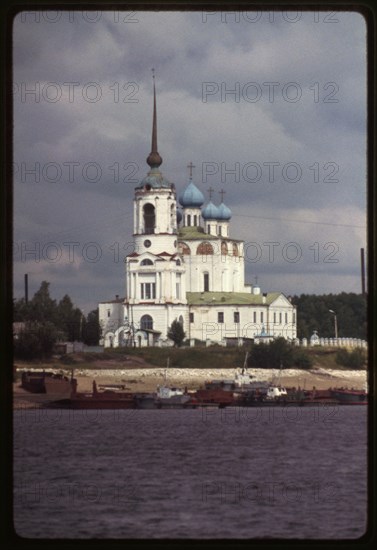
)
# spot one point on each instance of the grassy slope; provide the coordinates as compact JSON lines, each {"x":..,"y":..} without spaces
{"x":212,"y":357}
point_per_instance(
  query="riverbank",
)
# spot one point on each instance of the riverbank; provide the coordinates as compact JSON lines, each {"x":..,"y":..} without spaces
{"x":146,"y":379}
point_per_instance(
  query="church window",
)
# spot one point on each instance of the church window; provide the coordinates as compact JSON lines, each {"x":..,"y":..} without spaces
{"x":188,"y":220}
{"x":220,"y":317}
{"x":206,"y":282}
{"x":208,"y":228}
{"x":148,"y":291}
{"x":180,"y":320}
{"x":235,"y":249}
{"x":146,"y":322}
{"x":178,"y":262}
{"x":195,"y":220}
{"x":178,"y":286}
{"x":149,"y":218}
{"x":224,"y":248}
{"x":108,"y":313}
{"x":184,"y":249}
{"x":254,"y":316}
{"x":191,"y":317}
{"x":293,"y":317}
{"x":147,"y":243}
{"x":204,"y":248}
{"x":147,"y":261}
{"x":236,"y":316}
{"x":261,"y":316}
{"x":280,"y":318}
{"x":219,"y":231}
{"x":286,"y":318}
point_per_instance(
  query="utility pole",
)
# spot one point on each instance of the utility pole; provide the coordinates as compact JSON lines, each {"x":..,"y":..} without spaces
{"x":335,"y":323}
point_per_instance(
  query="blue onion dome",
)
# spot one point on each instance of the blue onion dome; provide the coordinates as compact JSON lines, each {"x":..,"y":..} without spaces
{"x":225,"y":212}
{"x":191,"y":196}
{"x":210,"y":212}
{"x":179,"y":216}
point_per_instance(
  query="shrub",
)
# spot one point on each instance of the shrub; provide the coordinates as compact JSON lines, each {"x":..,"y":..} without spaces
{"x":353,"y":360}
{"x":302,"y":360}
{"x":36,"y":341}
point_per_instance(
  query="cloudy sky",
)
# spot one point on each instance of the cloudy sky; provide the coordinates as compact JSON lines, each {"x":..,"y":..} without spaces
{"x":269,"y":108}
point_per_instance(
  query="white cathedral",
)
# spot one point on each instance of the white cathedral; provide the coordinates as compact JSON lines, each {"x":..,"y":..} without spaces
{"x":186,"y":267}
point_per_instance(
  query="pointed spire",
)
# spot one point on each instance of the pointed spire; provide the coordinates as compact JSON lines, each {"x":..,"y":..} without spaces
{"x":154,"y":159}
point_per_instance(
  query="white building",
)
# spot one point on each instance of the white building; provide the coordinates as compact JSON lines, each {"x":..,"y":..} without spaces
{"x":186,"y":266}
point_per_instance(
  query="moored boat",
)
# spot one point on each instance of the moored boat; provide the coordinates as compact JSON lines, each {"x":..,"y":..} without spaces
{"x":107,"y":399}
{"x":349,"y":397}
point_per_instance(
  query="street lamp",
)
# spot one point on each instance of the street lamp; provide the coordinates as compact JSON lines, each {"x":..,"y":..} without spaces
{"x":335,"y":323}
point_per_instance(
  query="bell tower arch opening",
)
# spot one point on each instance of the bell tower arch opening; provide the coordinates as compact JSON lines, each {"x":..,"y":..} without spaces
{"x":149,"y":214}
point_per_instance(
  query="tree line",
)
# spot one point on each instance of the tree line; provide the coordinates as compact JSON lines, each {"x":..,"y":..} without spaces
{"x":313,"y":314}
{"x":47,"y":321}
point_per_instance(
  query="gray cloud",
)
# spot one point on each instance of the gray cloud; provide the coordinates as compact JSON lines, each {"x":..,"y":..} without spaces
{"x":71,"y":134}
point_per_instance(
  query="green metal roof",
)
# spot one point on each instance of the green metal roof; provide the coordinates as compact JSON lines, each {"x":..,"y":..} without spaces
{"x":193,"y":233}
{"x":197,"y":233}
{"x":229,"y":298}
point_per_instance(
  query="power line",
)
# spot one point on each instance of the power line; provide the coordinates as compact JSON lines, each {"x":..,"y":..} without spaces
{"x":298,"y":221}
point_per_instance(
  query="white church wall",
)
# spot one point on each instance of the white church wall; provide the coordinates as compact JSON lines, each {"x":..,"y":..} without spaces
{"x":111,"y":316}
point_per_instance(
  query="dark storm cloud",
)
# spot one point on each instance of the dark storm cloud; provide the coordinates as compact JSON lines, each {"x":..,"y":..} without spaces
{"x":65,"y":126}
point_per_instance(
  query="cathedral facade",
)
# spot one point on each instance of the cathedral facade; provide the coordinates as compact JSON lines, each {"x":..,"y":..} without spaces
{"x":186,"y":266}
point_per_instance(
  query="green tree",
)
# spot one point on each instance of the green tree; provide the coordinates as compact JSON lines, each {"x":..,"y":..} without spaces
{"x":35,"y":341}
{"x":270,"y":356}
{"x":276,"y":353}
{"x":42,"y":308}
{"x":70,"y":319}
{"x":176,"y":333}
{"x":313,"y":314}
{"x":21,"y":310}
{"x":91,"y":329}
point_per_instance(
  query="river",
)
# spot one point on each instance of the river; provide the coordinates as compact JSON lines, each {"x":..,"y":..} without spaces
{"x":267,"y":472}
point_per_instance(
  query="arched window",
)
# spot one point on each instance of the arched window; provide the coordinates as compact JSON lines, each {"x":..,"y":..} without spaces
{"x":180,"y":320}
{"x":188,"y":220}
{"x":149,"y":218}
{"x":195,"y":220}
{"x":184,"y":249}
{"x":204,"y":248}
{"x":146,"y":322}
{"x":235,"y":249}
{"x":147,"y":261}
{"x":178,"y":262}
{"x":224,"y":248}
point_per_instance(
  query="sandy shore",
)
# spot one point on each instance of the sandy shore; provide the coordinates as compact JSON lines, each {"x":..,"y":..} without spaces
{"x":147,"y":379}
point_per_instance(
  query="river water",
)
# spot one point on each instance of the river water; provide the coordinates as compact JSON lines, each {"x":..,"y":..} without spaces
{"x":232,"y":473}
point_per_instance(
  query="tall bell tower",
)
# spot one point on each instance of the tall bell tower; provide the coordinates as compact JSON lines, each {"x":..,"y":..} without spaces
{"x":155,"y":270}
{"x":155,"y":204}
